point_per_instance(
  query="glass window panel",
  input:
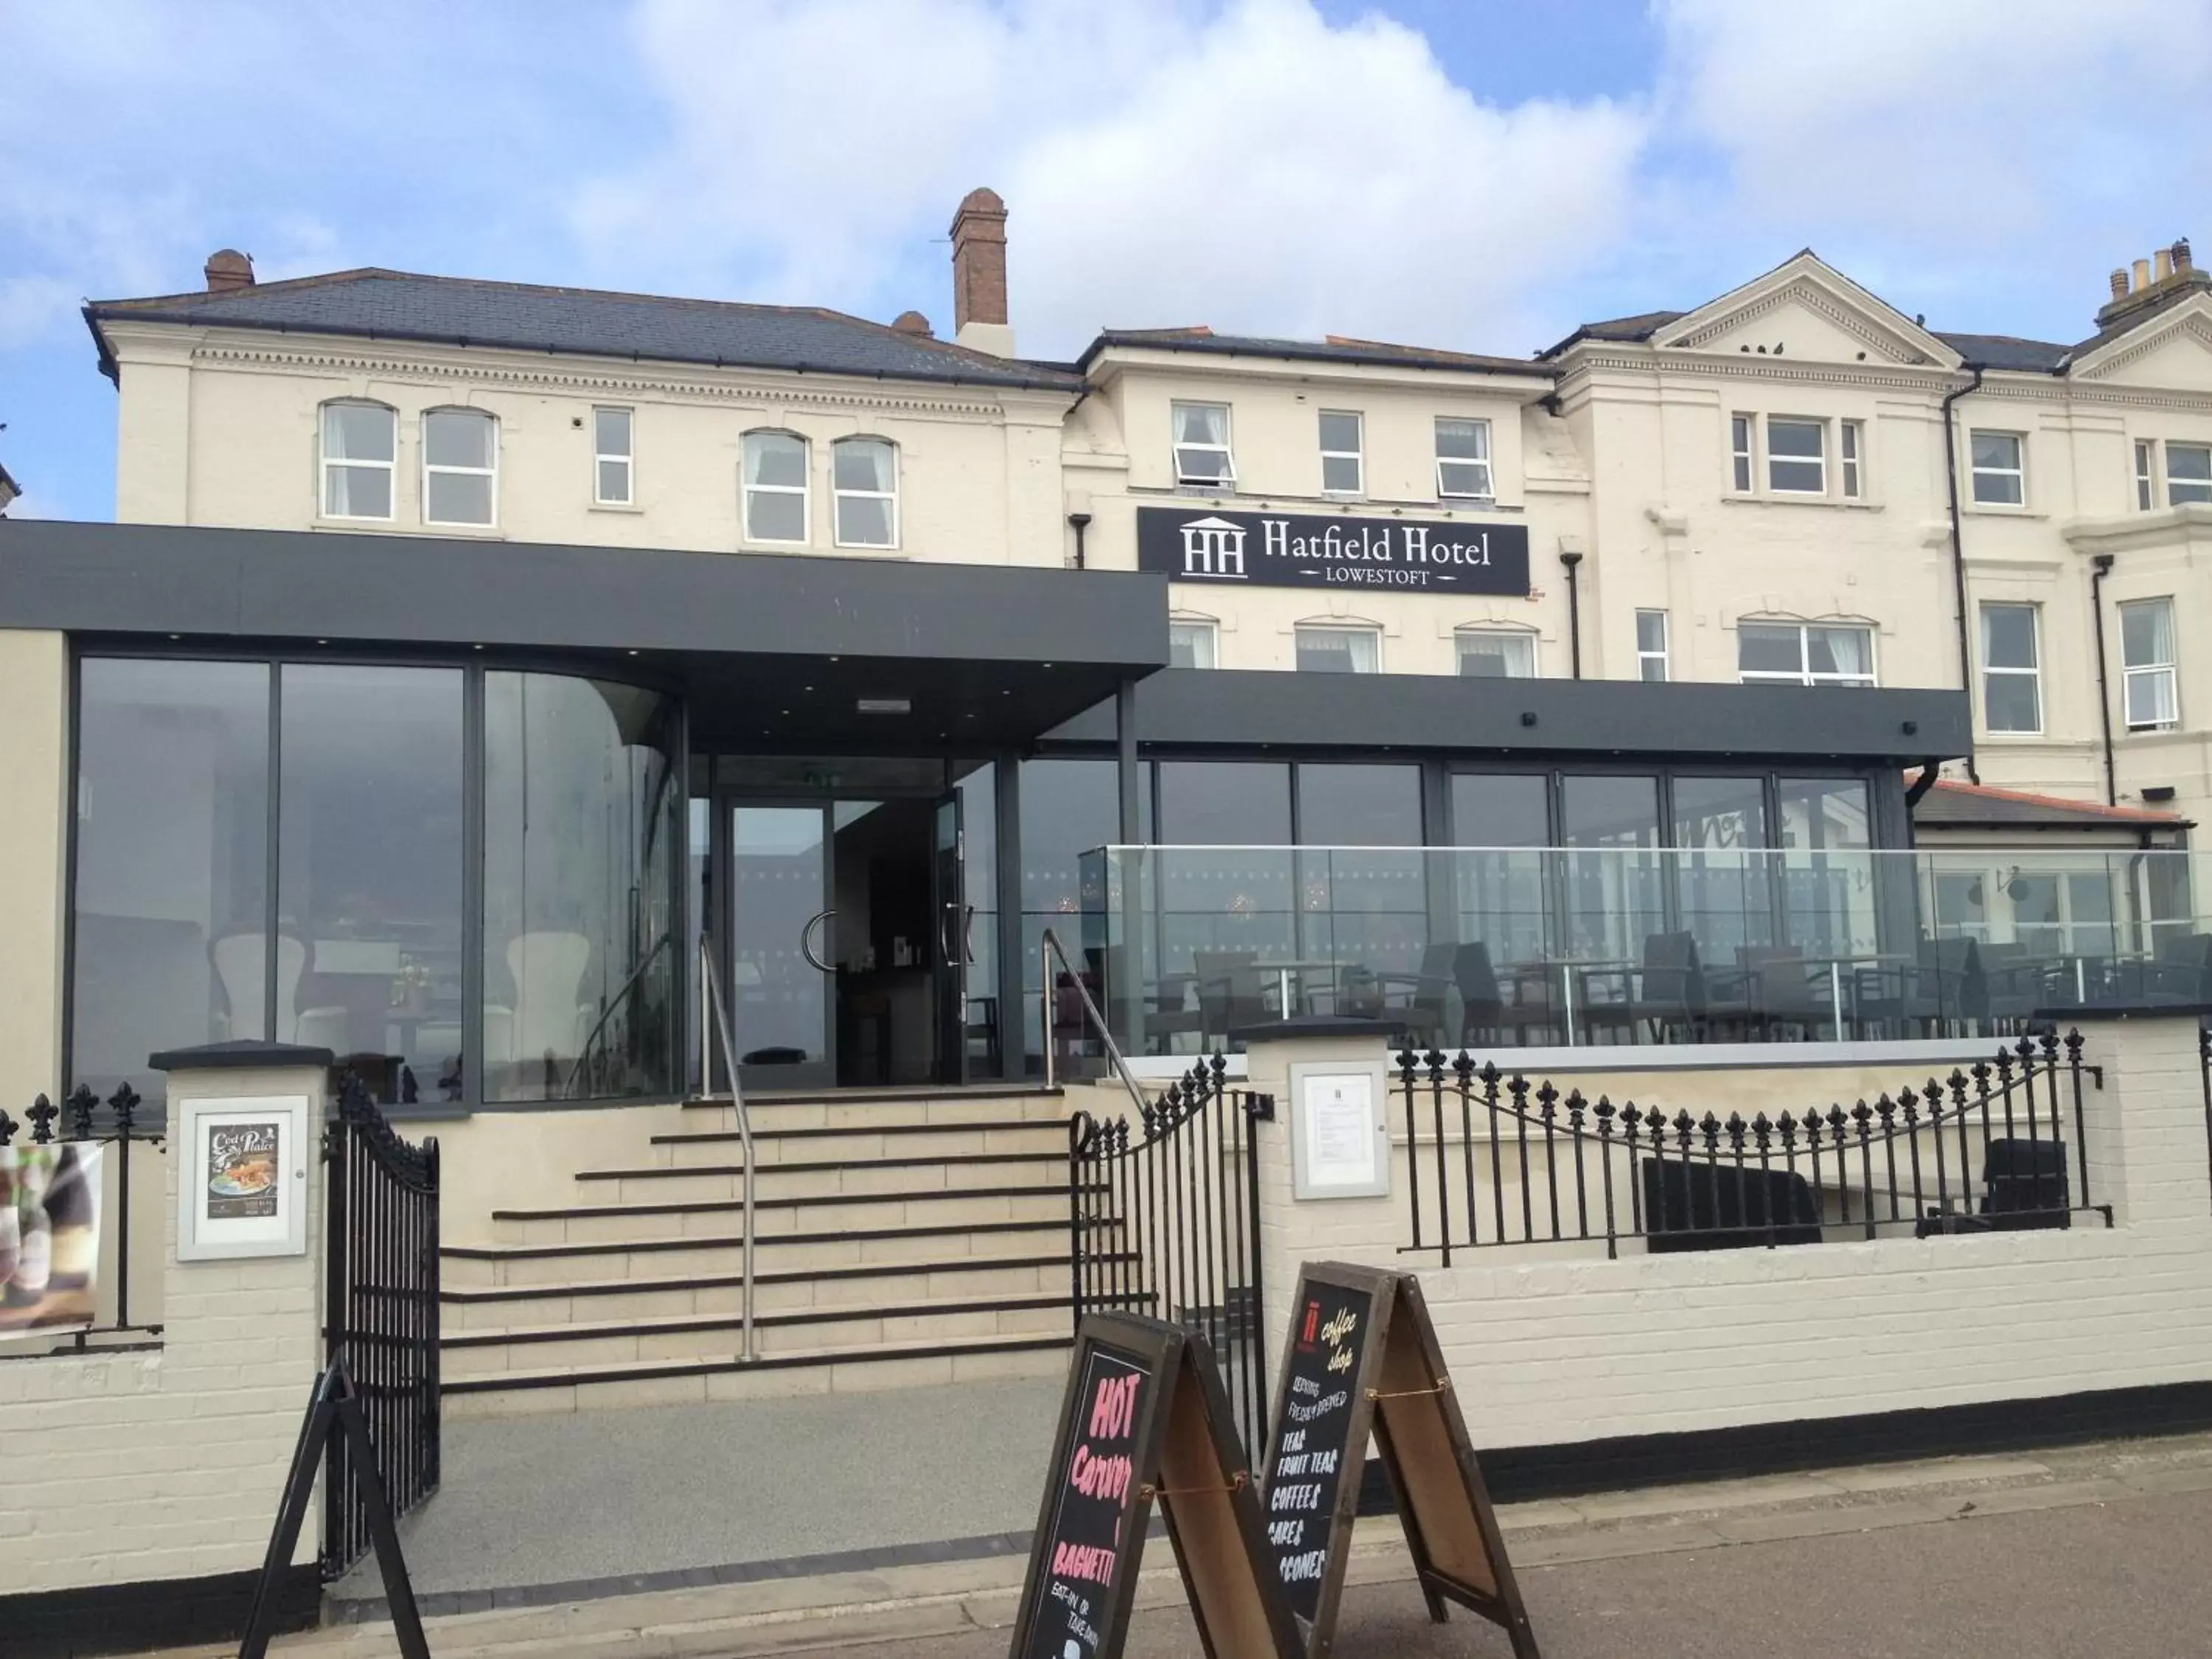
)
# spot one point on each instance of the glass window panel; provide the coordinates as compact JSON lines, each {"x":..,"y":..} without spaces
{"x":456,"y":437}
{"x":359,"y":431}
{"x":1463,"y":439}
{"x":1190,"y":645}
{"x":1720,"y":812}
{"x":1825,"y":812}
{"x":1769,"y":650}
{"x":1337,"y":651}
{"x":457,"y":498}
{"x":1999,"y":450}
{"x":614,"y":481}
{"x":1340,"y":474}
{"x":1211,"y":463}
{"x":1360,"y":806}
{"x":2008,"y":636}
{"x":170,"y":906}
{"x":1362,"y":912}
{"x":369,"y":862}
{"x":1201,"y":423}
{"x":2012,"y":703}
{"x":1798,"y":439}
{"x":864,"y":520}
{"x":581,"y":826}
{"x":1224,"y":803}
{"x":1497,"y":656}
{"x":1339,"y":431}
{"x":1463,"y":479}
{"x":1501,"y":809}
{"x":2147,"y":632}
{"x":862,"y":463}
{"x":610,"y":431}
{"x":1609,"y":812}
{"x":1804,"y":477}
{"x":1068,"y":807}
{"x":776,"y":457}
{"x":1650,"y":630}
{"x":2188,"y":473}
{"x":775,"y":516}
{"x":357,"y":492}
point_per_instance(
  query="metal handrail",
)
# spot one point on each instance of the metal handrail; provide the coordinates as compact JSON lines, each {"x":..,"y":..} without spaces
{"x":713,"y":1026}
{"x":1051,"y":947}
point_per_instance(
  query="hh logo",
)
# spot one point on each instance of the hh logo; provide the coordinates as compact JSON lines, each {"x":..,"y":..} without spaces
{"x":1213,"y":547}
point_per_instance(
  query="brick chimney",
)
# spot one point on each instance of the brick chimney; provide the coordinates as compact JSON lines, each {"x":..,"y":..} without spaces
{"x":2168,"y":272}
{"x":979,"y":274}
{"x":226,"y":269}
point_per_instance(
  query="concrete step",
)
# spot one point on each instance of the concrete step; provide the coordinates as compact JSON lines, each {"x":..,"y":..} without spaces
{"x":850,"y":1145}
{"x":843,"y":1212}
{"x":830,"y":1370}
{"x":632,"y":1339}
{"x":977,"y":1278}
{"x":680,"y":1256}
{"x":659,"y":1183}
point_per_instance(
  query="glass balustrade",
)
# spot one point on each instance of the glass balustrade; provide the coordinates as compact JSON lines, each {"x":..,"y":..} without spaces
{"x":1493,"y":948}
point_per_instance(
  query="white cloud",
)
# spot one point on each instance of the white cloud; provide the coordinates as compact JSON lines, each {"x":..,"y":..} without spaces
{"x":1253,"y":167}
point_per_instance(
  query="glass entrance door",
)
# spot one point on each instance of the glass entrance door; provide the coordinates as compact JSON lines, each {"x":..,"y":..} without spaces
{"x":781,"y":952}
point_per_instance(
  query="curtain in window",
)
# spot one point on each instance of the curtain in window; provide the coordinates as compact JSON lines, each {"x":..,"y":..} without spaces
{"x":2149,"y":640}
{"x":864,"y":464}
{"x":1851,"y":649}
{"x":1202,"y":423}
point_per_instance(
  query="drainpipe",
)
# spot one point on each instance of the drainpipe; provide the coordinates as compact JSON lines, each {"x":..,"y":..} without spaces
{"x":2100,"y":566}
{"x":1574,"y":611}
{"x":1959,"y":551}
{"x":1079,"y":522}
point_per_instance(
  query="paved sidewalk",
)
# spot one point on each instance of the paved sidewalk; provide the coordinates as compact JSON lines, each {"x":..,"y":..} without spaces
{"x":2098,"y":1550}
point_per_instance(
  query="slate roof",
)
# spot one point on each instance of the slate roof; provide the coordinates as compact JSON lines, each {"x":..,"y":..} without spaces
{"x":398,"y":304}
{"x":1958,"y":806}
{"x":1642,"y":326}
{"x":2008,"y":352}
{"x":1332,"y":349}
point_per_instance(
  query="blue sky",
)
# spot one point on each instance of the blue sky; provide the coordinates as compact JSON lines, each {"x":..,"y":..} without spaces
{"x":1482,"y":173}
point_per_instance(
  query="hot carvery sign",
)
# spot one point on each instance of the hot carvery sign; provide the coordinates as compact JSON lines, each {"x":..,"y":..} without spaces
{"x":1295,"y":549}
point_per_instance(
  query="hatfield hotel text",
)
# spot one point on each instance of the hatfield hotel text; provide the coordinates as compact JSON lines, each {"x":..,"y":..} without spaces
{"x":1294,"y":550}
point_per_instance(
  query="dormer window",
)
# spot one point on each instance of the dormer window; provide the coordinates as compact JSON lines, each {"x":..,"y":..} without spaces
{"x":360,"y":450}
{"x":1201,"y":446}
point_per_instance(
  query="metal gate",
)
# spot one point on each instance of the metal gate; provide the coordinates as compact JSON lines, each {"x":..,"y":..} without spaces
{"x":381,"y":1298}
{"x":1166,"y":1223}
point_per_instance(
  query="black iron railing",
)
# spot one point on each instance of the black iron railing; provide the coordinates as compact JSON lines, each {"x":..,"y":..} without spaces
{"x":1165,"y":1222}
{"x":1496,"y":1159}
{"x":382,"y":1301}
{"x":65,"y":1251}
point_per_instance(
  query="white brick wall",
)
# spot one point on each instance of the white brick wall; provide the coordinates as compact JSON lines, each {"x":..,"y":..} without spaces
{"x":1545,"y":1350}
{"x":144,"y":1465}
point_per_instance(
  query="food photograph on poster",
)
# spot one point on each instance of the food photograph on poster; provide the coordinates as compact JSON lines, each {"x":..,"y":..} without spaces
{"x":49,"y":1239}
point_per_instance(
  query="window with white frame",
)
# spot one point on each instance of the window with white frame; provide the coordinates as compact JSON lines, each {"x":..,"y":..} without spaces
{"x":1497,"y":653}
{"x":1191,"y":644}
{"x":2188,"y":473}
{"x":864,"y":481}
{"x":1804,"y":653}
{"x":2012,"y":672}
{"x":361,"y":452}
{"x":1343,"y":465}
{"x":1338,"y":650}
{"x":1464,"y":460}
{"x":1201,"y":445}
{"x":775,"y":487}
{"x":2148,"y":656}
{"x":613,"y":483}
{"x":1853,"y":441}
{"x":1652,"y":659}
{"x":1796,"y":457}
{"x":1740,"y":451}
{"x":2146,"y":483}
{"x":460,"y":476}
{"x":1999,"y":467}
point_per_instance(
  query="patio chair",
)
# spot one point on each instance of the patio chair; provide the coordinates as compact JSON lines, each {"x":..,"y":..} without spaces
{"x":1782,"y":994}
{"x":1232,"y":992}
{"x":1691,"y":1204}
{"x":1417,"y":1001}
{"x":2025,"y":1186}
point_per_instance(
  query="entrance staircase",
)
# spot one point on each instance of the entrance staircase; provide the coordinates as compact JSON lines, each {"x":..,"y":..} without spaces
{"x":901,"y":1237}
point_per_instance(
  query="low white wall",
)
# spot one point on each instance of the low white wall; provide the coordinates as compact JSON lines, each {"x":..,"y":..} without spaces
{"x":1545,"y":1350}
{"x":167,"y":1463}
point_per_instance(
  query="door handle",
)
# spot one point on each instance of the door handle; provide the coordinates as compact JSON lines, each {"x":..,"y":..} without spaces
{"x":967,"y":945}
{"x":945,"y":912}
{"x":807,"y":940}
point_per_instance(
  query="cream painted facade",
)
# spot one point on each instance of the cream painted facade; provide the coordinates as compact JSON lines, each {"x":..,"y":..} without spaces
{"x":1617,"y":449}
{"x":221,"y":427}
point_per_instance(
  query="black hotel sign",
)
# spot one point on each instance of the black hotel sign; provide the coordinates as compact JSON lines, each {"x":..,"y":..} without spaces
{"x":1298,"y":549}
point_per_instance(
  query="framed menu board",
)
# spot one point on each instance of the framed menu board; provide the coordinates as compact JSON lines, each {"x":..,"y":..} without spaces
{"x":1144,"y":1421}
{"x":1362,"y":1361}
{"x":242,"y":1177}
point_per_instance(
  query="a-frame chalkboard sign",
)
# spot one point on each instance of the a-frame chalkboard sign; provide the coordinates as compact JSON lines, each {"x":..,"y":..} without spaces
{"x":334,"y":1408}
{"x":1362,"y":1356}
{"x":1144,"y":1420}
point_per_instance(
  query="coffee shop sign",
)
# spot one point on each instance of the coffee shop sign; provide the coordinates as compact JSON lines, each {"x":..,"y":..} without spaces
{"x":1307,"y":550}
